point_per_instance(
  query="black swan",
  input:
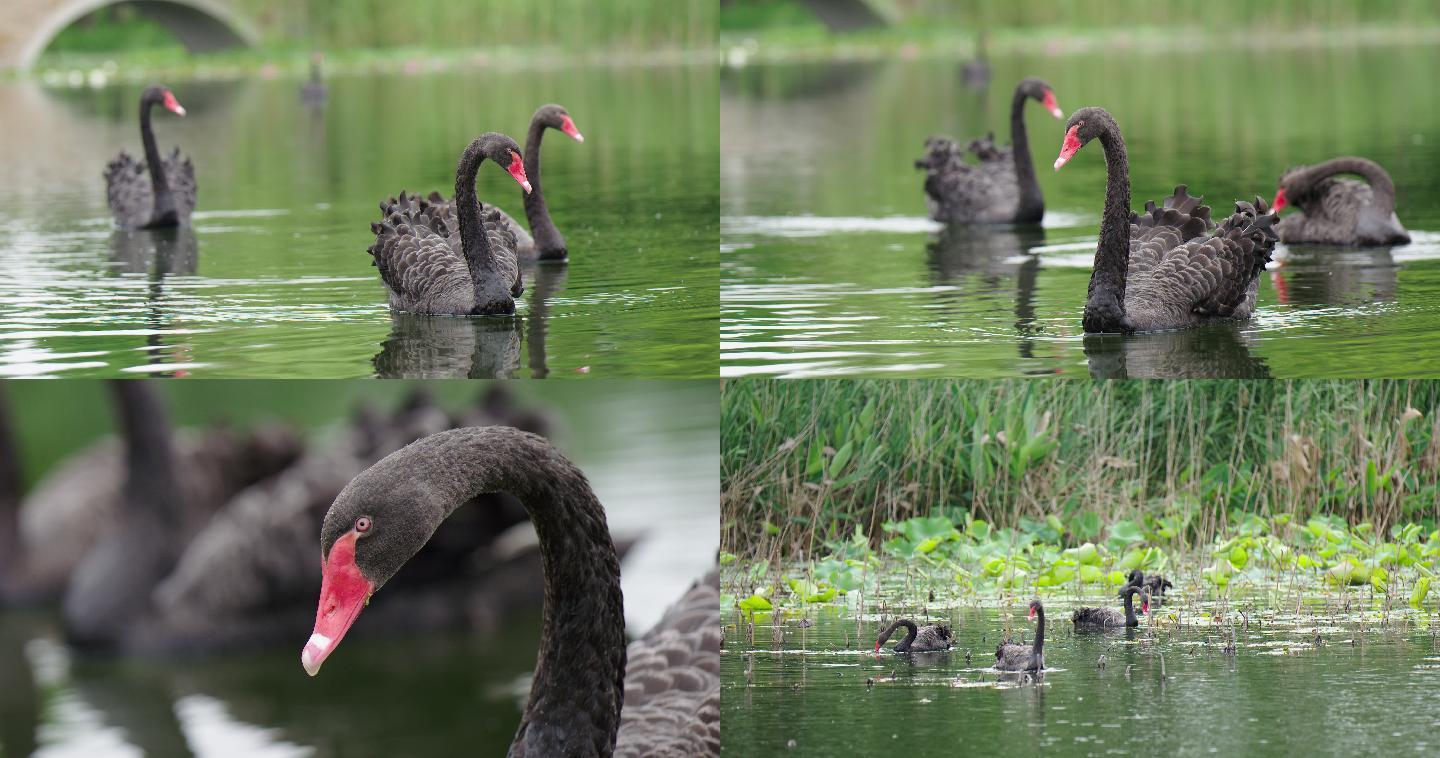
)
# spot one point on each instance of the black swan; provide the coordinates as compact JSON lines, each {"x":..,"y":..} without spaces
{"x":1170,"y":268}
{"x":164,"y":197}
{"x":547,"y":244}
{"x":314,"y":92}
{"x":1155,"y":583}
{"x":670,"y":687}
{"x":246,"y":579}
{"x":79,"y":500}
{"x":1010,"y":657}
{"x":1336,"y":211}
{"x":10,"y":495}
{"x":1106,"y":616}
{"x":458,"y":262}
{"x":924,"y":639}
{"x":976,"y":73}
{"x":1002,"y":188}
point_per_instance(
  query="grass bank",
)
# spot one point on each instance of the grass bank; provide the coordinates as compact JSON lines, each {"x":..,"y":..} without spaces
{"x":974,"y":488}
{"x":784,"y":31}
{"x":805,"y":463}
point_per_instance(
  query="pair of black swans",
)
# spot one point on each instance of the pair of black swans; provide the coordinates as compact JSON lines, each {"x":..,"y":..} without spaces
{"x":1013,"y":657}
{"x":1172,"y":267}
{"x":436,"y":257}
{"x":131,"y":589}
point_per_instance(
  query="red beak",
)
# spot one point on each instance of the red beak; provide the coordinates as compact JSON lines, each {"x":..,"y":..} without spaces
{"x":344,"y":591}
{"x":1051,"y":105}
{"x":517,"y":170}
{"x":568,"y":126}
{"x":173,"y":105}
{"x":877,"y":647}
{"x":1280,"y":201}
{"x":1032,"y":613}
{"x":1071,"y":144}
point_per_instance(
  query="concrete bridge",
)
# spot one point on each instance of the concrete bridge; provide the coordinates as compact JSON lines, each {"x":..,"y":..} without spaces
{"x":199,"y":25}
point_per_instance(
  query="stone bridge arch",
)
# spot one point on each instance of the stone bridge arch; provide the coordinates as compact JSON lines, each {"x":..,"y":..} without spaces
{"x":199,"y":25}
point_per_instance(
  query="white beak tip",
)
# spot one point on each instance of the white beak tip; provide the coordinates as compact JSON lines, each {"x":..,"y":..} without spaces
{"x":1057,"y":113}
{"x":1058,"y":163}
{"x":579,"y":137}
{"x":308,"y":660}
{"x":179,"y":110}
{"x":525,"y":185}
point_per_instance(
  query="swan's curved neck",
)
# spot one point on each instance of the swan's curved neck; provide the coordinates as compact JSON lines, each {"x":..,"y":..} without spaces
{"x":549,"y":243}
{"x":9,"y":489}
{"x":159,"y":182}
{"x":1105,"y":307}
{"x":1039,"y":631}
{"x":150,"y":484}
{"x":1382,"y":188}
{"x":1032,"y":202}
{"x":1130,"y":619}
{"x":474,"y":243}
{"x":579,"y":682}
{"x":910,"y":633}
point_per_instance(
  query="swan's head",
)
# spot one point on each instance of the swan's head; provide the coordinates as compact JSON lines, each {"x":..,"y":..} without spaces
{"x":1084,"y":125}
{"x":556,"y":117}
{"x":1135,"y":579}
{"x":1287,"y":190}
{"x":377,"y":523}
{"x":503,"y":150}
{"x":162,"y":96}
{"x":1036,"y":608}
{"x":1040,"y":91}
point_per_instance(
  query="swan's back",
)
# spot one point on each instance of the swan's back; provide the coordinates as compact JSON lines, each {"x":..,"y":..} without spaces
{"x":1340,"y":212}
{"x":672,"y":680}
{"x":961,"y":192}
{"x":420,"y":257}
{"x":1184,"y":270}
{"x":131,"y":197}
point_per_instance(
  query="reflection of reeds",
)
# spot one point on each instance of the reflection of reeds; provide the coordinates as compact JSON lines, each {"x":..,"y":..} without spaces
{"x":808,"y":462}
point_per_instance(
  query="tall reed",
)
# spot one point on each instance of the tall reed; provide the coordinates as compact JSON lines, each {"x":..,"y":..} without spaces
{"x":806,"y":461}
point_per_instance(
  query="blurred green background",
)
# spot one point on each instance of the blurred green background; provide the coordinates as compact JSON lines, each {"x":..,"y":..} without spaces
{"x":54,"y":419}
{"x":571,"y":24}
{"x":944,"y":26}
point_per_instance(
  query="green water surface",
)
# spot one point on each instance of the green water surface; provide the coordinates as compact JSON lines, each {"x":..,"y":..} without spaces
{"x":1365,"y":686}
{"x":830,"y":267}
{"x":274,"y":279}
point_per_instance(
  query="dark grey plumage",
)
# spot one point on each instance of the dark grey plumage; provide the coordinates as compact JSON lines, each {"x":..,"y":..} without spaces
{"x":547,"y":243}
{"x":1171,"y":267}
{"x":1337,"y":211}
{"x":77,"y":501}
{"x":160,"y":191}
{"x":450,"y":258}
{"x":580,"y":679}
{"x":9,"y":496}
{"x":1107,"y":617}
{"x":918,"y":639}
{"x":1154,"y":583}
{"x":248,"y":578}
{"x":1011,"y":657}
{"x":1001,"y":186}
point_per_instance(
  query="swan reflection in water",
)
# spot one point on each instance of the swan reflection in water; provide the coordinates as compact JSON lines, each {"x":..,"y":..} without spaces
{"x":994,"y":255}
{"x":157,"y":253}
{"x":1215,"y":351}
{"x":1328,"y":275}
{"x":439,"y":347}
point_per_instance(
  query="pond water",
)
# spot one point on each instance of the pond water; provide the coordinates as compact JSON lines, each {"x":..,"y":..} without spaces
{"x":274,"y":279}
{"x":426,"y":694}
{"x":829,"y":265}
{"x":1171,"y":688}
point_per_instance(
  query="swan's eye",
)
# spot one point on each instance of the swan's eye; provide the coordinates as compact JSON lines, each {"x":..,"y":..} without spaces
{"x":362,"y":524}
